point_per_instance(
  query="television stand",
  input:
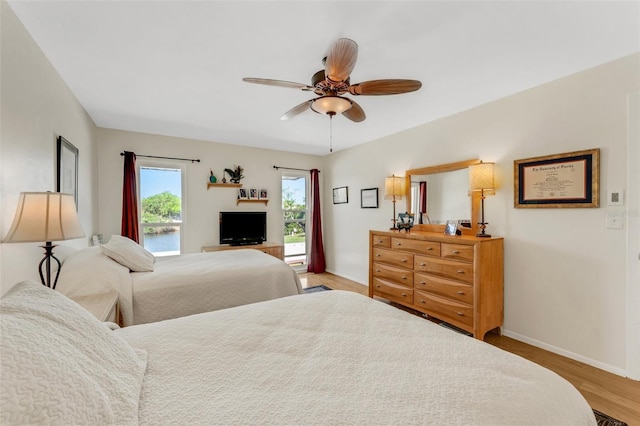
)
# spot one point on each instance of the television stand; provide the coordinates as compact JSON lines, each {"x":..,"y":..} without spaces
{"x":274,"y":249}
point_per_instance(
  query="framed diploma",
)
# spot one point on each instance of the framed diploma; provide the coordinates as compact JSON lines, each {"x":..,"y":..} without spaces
{"x":563,"y":180}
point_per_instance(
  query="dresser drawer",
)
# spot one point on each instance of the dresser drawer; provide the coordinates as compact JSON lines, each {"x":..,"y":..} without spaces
{"x":397,"y":258}
{"x":443,"y":287}
{"x":428,"y":248}
{"x":380,"y":241}
{"x":445,"y":268}
{"x":456,"y":252}
{"x":391,"y":291}
{"x":399,"y":275}
{"x":445,"y":309}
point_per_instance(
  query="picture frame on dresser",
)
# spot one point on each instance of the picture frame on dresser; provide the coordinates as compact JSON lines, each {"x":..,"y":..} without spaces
{"x":451,"y":228}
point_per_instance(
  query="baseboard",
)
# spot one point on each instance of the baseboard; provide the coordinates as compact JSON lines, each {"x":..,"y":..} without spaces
{"x":347,"y":277}
{"x":577,"y":357}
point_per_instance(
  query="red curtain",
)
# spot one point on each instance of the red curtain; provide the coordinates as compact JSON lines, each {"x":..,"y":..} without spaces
{"x":129,"y":226}
{"x":316,"y":259}
{"x":423,"y":199}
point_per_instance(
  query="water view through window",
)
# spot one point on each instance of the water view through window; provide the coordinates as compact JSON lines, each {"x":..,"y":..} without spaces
{"x":161,"y":209}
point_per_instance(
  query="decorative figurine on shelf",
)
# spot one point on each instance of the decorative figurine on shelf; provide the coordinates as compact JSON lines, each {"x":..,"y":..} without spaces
{"x":405,"y":221}
{"x":235,"y":175}
{"x":212,"y":178}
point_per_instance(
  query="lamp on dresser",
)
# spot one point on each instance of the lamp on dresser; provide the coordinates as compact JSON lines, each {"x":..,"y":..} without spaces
{"x":394,"y":190}
{"x":481,"y":179}
{"x":45,"y":216}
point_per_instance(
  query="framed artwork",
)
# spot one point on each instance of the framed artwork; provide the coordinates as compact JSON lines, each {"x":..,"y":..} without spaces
{"x":565,"y":180}
{"x":242,"y":194}
{"x":253,"y":194}
{"x":340,"y":195}
{"x":67,"y":168}
{"x":263,"y":194}
{"x":369,"y":198}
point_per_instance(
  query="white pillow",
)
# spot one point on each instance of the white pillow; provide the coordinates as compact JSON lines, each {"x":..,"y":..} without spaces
{"x":60,"y":365}
{"x":129,"y":253}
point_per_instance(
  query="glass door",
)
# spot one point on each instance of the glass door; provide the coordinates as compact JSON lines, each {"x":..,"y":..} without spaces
{"x":295,"y":213}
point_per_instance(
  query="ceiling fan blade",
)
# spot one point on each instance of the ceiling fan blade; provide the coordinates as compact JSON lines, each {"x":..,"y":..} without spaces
{"x":298,"y":109}
{"x":279,"y":83}
{"x":341,"y":60}
{"x":355,"y":113}
{"x":384,"y":87}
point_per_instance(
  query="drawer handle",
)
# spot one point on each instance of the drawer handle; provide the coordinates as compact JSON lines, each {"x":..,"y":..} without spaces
{"x":460,"y":271}
{"x":429,"y":248}
{"x":423,"y":282}
{"x":456,"y":252}
{"x":377,"y":270}
{"x":404,"y":261}
{"x":460,"y":314}
{"x":404,"y":278}
{"x":403,"y":295}
{"x":378,"y":255}
{"x":378,"y":286}
{"x":460,"y":292}
{"x":423,"y":264}
{"x":421,"y":300}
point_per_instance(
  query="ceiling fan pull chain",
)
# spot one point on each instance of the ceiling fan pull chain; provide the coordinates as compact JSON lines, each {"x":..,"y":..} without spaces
{"x":331,"y":132}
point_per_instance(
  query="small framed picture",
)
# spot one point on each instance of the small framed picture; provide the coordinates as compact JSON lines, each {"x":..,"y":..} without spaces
{"x":263,"y":195}
{"x":253,"y":194}
{"x":340,"y":195}
{"x":451,"y":228}
{"x":369,"y":198}
{"x":242,"y":194}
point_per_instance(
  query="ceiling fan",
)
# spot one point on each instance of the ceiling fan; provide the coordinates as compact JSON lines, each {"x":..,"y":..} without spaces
{"x":334,"y":81}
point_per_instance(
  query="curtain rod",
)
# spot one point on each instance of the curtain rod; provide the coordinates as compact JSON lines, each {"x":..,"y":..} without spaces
{"x":291,"y":168}
{"x":197,"y":160}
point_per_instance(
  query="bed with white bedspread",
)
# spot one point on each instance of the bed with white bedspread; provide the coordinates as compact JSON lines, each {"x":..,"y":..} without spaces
{"x":180,"y":285}
{"x":330,"y":357}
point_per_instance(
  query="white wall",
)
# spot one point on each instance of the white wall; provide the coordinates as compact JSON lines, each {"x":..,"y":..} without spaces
{"x":201,"y":220}
{"x":564,"y":272}
{"x":36,"y":107}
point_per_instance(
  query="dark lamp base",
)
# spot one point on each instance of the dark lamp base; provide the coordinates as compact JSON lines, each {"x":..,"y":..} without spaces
{"x":483,"y":235}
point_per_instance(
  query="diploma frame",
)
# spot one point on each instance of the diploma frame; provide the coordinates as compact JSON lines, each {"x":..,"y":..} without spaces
{"x":569,"y":180}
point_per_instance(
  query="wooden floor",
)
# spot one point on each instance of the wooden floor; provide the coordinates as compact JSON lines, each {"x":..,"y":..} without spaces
{"x":606,"y":392}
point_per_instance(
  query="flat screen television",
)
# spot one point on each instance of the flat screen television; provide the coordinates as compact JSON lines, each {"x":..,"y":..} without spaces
{"x":243,"y":228}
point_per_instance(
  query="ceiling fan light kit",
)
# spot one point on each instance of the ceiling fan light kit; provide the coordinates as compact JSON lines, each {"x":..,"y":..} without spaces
{"x":331,"y":104}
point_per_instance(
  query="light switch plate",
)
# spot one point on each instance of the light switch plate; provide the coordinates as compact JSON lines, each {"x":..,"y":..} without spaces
{"x":615,"y":197}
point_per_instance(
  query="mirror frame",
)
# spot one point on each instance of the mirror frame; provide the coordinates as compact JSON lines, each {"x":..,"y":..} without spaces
{"x":440,"y":168}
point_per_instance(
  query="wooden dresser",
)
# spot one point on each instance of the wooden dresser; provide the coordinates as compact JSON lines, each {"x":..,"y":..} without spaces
{"x":274,"y":249}
{"x":457,"y":279}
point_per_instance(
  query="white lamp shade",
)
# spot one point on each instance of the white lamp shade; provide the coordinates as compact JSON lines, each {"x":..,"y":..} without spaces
{"x":481,"y":178}
{"x":394,"y":187}
{"x":44,"y":216}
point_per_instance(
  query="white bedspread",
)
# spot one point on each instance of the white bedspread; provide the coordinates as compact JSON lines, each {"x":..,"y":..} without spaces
{"x":203,"y":282}
{"x":339,"y":358}
{"x":180,"y":285}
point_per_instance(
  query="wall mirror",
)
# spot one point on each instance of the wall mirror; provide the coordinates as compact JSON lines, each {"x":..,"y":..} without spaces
{"x":447,"y":189}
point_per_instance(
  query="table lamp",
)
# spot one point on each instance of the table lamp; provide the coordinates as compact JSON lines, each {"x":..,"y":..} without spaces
{"x":394,"y":190}
{"x":45,"y":216}
{"x":481,"y":179}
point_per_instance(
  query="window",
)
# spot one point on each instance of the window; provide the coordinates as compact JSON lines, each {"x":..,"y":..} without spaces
{"x":294,"y":210}
{"x":161,"y":207}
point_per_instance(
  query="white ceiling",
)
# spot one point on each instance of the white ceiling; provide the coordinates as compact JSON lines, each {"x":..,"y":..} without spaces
{"x":176,"y":67}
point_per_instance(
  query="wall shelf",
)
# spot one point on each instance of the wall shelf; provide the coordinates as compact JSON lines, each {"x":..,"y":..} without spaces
{"x":223,"y":185}
{"x":243,"y":200}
